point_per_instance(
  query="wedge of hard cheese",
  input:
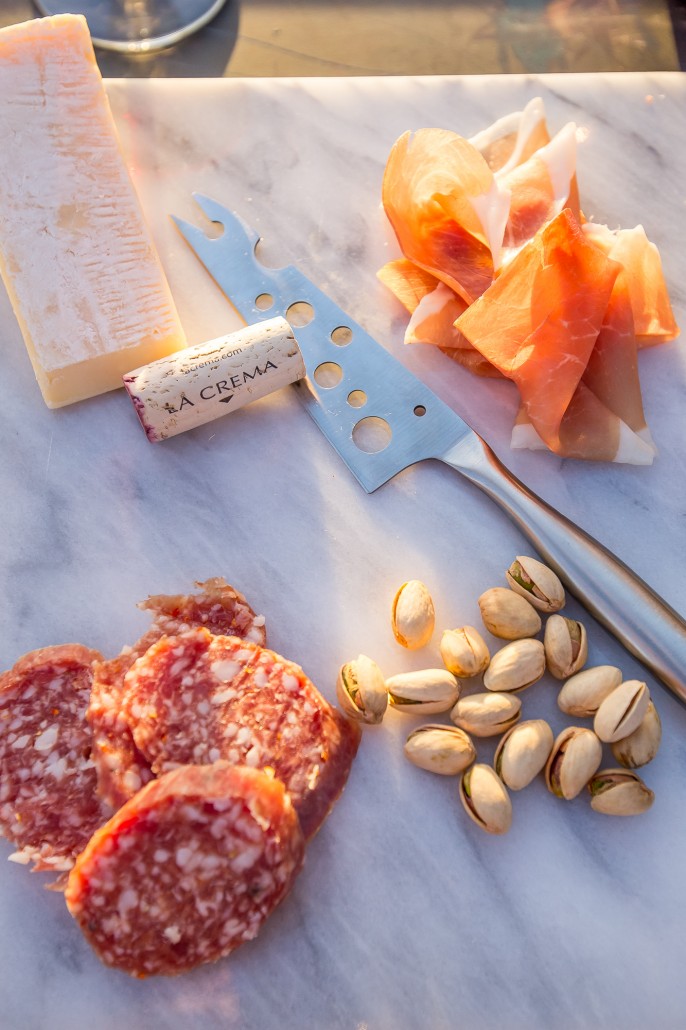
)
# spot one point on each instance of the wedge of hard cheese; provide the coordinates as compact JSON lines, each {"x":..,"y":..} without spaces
{"x":78,"y":262}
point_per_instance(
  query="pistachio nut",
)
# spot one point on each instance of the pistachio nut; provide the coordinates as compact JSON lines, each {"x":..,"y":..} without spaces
{"x":622,"y":711}
{"x":486,"y":715}
{"x":361,"y":690}
{"x":566,"y":646}
{"x":485,"y":799}
{"x":516,"y":666}
{"x":522,"y":753}
{"x":464,"y":651}
{"x":576,"y":756}
{"x":619,"y":792}
{"x":423,"y":692}
{"x":446,"y":750}
{"x":413,"y":616}
{"x":508,"y":615}
{"x":641,"y":746}
{"x":537,"y":583}
{"x":583,"y":693}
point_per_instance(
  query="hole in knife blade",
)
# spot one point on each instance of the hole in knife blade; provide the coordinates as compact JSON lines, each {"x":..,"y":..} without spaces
{"x":267,"y":254}
{"x":419,"y":410}
{"x":328,"y":374}
{"x":216,"y":230}
{"x":342,"y":335}
{"x":357,"y":398}
{"x":264,"y":301}
{"x":372,"y":434}
{"x":300,"y":313}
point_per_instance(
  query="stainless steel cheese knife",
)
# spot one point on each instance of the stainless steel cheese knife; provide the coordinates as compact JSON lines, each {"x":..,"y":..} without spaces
{"x":381,"y":419}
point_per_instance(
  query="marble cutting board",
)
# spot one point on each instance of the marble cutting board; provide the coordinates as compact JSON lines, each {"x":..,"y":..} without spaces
{"x":406,"y":916}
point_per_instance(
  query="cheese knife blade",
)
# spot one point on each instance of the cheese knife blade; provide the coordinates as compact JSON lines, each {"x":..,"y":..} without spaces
{"x":354,"y":386}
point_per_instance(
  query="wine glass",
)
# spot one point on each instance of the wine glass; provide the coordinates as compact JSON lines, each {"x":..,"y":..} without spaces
{"x":137,"y":26}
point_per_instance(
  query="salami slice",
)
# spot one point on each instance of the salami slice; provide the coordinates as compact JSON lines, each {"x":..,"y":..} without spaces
{"x":218,"y":607}
{"x":187,"y":870}
{"x":121,"y":768}
{"x":198,"y":698}
{"x":49,"y":806}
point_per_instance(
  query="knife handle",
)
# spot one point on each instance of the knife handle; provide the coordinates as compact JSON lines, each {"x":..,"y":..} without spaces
{"x":647,"y":626}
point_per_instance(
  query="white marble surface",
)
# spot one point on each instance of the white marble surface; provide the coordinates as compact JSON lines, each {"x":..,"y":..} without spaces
{"x":406,"y":916}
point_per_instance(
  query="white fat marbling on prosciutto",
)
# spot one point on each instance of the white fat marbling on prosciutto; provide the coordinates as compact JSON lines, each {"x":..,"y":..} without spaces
{"x":523,"y":123}
{"x":431,"y":304}
{"x":492,"y":209}
{"x":525,"y":437}
{"x":559,"y":158}
{"x":573,"y":919}
{"x":632,"y":448}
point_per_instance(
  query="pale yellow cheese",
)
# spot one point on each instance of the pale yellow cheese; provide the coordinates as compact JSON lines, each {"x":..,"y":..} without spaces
{"x":78,"y":261}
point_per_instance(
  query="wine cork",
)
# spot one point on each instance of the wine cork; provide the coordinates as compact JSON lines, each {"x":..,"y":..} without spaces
{"x":201,"y":383}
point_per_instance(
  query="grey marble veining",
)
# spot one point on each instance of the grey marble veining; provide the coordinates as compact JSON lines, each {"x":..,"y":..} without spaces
{"x":406,"y":916}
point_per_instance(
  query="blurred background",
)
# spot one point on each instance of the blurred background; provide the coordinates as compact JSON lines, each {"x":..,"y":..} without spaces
{"x":414,"y":37}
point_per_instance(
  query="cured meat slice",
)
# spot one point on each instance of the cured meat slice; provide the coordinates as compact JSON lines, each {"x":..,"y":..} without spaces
{"x":434,"y":308}
{"x":433,"y":305}
{"x":121,"y":768}
{"x":512,"y":139}
{"x":435,"y":316}
{"x":49,"y":806}
{"x":552,"y":320}
{"x":540,"y":320}
{"x":654,"y":320}
{"x":187,"y":870}
{"x":219,"y":607}
{"x":540,"y":188}
{"x":604,"y":420}
{"x":408,"y":283}
{"x":199,"y":698}
{"x":446,"y":208}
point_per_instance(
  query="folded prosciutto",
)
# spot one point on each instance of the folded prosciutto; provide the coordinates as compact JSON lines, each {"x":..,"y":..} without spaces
{"x":446,"y":208}
{"x":503,"y":273}
{"x":557,"y":323}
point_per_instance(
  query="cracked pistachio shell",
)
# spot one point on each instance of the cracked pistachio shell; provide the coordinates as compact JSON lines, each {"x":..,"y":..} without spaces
{"x":485,"y":799}
{"x":583,"y":693}
{"x":424,"y":692}
{"x":641,"y":746}
{"x":523,"y":752}
{"x":464,"y":651}
{"x":486,"y":715}
{"x":566,"y":646}
{"x":508,"y":615}
{"x":413,"y":616}
{"x":537,"y":583}
{"x":441,"y":749}
{"x":516,"y":666}
{"x":619,"y":792}
{"x":576,"y":756}
{"x":622,"y":711}
{"x":361,"y":690}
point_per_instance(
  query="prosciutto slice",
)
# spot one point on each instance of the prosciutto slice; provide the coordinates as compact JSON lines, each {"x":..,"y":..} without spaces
{"x":604,"y":420}
{"x":446,"y":208}
{"x":512,"y":139}
{"x":539,"y":324}
{"x":434,"y":308}
{"x":642,"y":269}
{"x":533,"y":293}
{"x":540,"y":188}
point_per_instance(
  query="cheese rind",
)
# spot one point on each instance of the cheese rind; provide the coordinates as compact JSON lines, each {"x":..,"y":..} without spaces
{"x":78,"y":261}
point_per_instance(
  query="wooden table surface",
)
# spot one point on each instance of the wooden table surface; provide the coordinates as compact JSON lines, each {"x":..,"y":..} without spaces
{"x":404,"y":37}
